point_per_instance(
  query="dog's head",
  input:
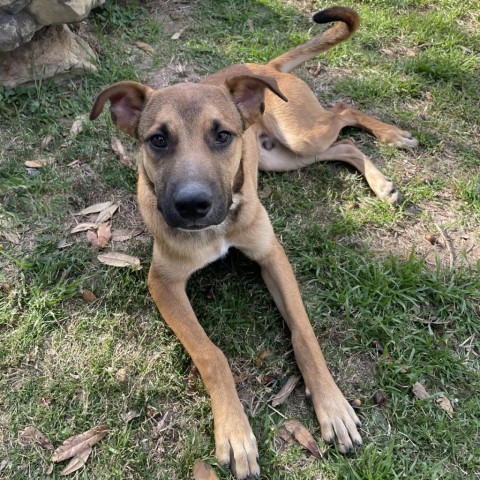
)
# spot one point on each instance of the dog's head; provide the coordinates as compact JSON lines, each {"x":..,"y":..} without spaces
{"x":190,"y":138}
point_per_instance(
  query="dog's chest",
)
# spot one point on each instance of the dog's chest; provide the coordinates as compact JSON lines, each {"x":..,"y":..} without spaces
{"x":218,"y":251}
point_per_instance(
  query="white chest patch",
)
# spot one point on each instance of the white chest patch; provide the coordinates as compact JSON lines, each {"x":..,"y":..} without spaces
{"x":219,"y":252}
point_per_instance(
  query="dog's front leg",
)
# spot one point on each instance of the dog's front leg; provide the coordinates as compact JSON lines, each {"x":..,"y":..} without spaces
{"x":336,"y":416}
{"x":235,"y":443}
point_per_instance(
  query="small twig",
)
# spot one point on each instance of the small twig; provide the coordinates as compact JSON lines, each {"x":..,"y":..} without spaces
{"x":448,"y":245}
{"x":276,"y":411}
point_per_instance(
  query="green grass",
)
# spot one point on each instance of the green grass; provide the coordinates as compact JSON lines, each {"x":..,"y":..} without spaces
{"x":366,"y":273}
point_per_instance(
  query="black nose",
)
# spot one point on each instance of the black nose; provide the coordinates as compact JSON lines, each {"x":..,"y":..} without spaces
{"x":193,"y":201}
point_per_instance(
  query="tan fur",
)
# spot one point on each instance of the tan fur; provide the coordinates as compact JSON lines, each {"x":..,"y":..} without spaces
{"x":274,"y":122}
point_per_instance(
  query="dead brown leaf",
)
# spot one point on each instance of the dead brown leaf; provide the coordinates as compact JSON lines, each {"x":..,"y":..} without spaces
{"x":285,"y":391}
{"x":77,"y":462}
{"x":78,"y":443}
{"x":119,"y":149}
{"x":285,"y":436}
{"x":46,"y":401}
{"x":92,"y":238}
{"x":31,"y":435}
{"x":203,"y":471}
{"x":121,"y":375}
{"x":119,"y":259}
{"x":303,"y":437}
{"x":177,"y":35}
{"x":250,"y":26}
{"x":104,"y":235}
{"x":77,"y":125}
{"x":40,"y":162}
{"x":46,"y":140}
{"x":387,"y":52}
{"x":145,"y":47}
{"x":96,"y":208}
{"x":129,"y":416}
{"x":445,"y":404}
{"x":261,"y":357}
{"x":63,"y":243}
{"x":88,"y":296}
{"x":107,"y":213}
{"x":32,"y":164}
{"x":121,"y":235}
{"x":419,"y":391}
{"x":192,"y":378}
{"x":81,"y":227}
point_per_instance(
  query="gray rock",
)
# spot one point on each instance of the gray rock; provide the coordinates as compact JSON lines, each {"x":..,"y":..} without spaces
{"x":53,"y":12}
{"x":54,"y":51}
{"x":15,"y":30}
{"x":13,"y":6}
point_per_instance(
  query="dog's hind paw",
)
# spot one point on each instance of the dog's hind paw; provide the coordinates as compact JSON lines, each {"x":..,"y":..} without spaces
{"x":397,"y":137}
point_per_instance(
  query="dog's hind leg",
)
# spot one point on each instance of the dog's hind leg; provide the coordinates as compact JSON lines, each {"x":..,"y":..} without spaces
{"x":275,"y":157}
{"x":384,"y":132}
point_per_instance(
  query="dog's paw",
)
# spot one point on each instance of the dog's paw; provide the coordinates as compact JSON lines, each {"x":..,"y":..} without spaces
{"x":397,"y":137}
{"x":236,"y":446}
{"x":338,"y":421}
{"x":385,"y":189}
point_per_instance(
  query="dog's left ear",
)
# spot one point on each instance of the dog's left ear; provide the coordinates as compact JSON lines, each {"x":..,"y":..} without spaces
{"x":248,"y":93}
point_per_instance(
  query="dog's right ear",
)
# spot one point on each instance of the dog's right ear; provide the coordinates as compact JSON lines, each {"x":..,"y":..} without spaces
{"x":127,"y":100}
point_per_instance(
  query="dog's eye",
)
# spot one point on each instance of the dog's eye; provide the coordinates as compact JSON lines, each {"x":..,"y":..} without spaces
{"x":158,"y":141}
{"x":222,"y":137}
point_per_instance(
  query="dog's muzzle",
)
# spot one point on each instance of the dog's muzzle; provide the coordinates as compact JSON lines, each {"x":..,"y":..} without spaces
{"x":193,"y":206}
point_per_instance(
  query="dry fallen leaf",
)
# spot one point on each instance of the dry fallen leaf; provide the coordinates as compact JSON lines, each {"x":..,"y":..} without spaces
{"x":103,"y":235}
{"x":121,"y":235}
{"x":46,"y":140}
{"x":250,"y":26}
{"x":92,"y":238}
{"x":119,"y":149}
{"x":445,"y":404}
{"x":303,"y":437}
{"x":121,"y":375}
{"x":88,"y":296}
{"x":285,"y":436}
{"x":46,"y":401}
{"x":419,"y":391}
{"x":77,"y":125}
{"x":31,"y":435}
{"x":119,"y":259}
{"x":260,"y":358}
{"x":11,"y":237}
{"x":40,"y":162}
{"x":33,"y":164}
{"x":81,"y":227}
{"x":107,"y":213}
{"x":387,"y":52}
{"x":285,"y":391}
{"x":129,"y":416}
{"x":98,"y":207}
{"x":177,"y":35}
{"x":63,"y":243}
{"x":77,"y":462}
{"x":145,"y":47}
{"x":78,"y":443}
{"x":202,"y":471}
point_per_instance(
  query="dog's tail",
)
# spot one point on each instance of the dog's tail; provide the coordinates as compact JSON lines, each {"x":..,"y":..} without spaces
{"x":349,"y":22}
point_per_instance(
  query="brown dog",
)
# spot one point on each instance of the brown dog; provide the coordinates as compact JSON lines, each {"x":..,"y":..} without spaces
{"x":200,"y":148}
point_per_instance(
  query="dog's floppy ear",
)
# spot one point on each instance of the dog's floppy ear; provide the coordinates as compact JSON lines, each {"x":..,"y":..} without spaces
{"x":248,"y":94}
{"x":126,"y":103}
